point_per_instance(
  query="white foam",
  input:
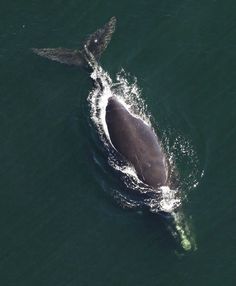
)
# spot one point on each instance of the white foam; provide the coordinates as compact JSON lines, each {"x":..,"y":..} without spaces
{"x":128,"y":93}
{"x":169,"y":201}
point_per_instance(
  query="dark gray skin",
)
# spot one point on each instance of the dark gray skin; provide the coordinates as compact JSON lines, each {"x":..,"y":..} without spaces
{"x":138,"y":143}
{"x":96,"y":43}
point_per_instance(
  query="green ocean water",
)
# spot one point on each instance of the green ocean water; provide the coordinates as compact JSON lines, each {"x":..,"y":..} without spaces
{"x":58,"y":226}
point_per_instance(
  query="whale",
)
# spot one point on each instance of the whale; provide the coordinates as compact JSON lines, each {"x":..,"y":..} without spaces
{"x":130,"y":136}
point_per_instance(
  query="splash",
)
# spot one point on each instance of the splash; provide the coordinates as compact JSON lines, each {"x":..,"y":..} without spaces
{"x":168,"y":200}
{"x":184,"y":163}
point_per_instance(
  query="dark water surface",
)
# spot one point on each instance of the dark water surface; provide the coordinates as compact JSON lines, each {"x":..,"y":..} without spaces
{"x":58,"y":227}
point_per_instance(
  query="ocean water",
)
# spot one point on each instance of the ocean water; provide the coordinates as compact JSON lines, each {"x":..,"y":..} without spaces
{"x":59,"y":223}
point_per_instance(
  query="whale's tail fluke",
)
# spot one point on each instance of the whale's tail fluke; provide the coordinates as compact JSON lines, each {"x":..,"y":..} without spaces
{"x":96,"y":43}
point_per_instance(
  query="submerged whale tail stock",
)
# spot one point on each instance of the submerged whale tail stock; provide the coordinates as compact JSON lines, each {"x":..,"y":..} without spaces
{"x":96,"y":44}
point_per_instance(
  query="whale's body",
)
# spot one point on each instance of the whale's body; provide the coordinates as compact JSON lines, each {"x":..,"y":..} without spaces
{"x":137,"y":142}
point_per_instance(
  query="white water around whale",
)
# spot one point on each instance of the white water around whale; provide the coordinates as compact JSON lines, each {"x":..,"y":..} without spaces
{"x":128,"y":93}
{"x":164,"y":199}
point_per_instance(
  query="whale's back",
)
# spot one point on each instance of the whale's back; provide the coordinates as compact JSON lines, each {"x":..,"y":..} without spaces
{"x":137,"y":142}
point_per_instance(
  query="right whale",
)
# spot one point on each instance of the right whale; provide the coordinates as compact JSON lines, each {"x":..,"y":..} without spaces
{"x":129,"y":135}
